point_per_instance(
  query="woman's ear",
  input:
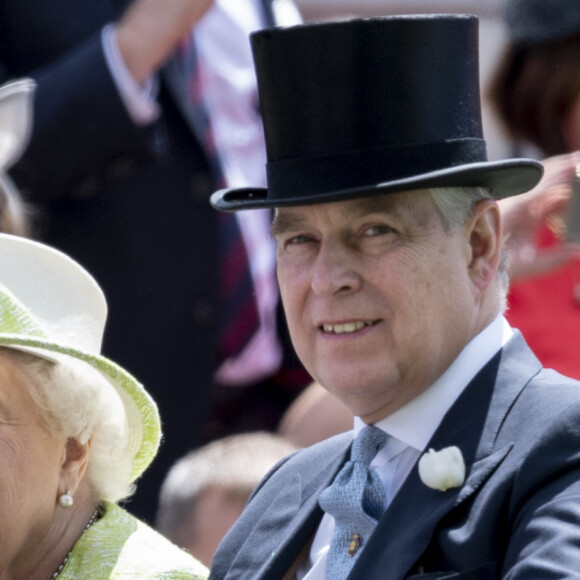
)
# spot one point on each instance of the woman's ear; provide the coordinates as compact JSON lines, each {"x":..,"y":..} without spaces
{"x":74,"y":465}
{"x":484,"y":235}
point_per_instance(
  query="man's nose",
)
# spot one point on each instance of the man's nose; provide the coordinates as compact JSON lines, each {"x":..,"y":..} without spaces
{"x":334,"y":271}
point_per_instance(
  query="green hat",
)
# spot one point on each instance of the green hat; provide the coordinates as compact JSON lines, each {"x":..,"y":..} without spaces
{"x":53,"y":308}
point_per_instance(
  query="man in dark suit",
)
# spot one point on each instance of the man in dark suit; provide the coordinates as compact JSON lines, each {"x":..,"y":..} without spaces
{"x":466,"y":453}
{"x":124,"y":189}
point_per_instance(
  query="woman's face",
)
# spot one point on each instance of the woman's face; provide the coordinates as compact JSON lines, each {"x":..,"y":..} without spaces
{"x":30,"y":467}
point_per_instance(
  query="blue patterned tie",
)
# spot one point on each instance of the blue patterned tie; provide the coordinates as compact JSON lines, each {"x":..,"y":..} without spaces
{"x":356,"y":500}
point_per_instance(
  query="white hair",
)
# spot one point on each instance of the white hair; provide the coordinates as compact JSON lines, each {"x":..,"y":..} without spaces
{"x":75,"y":401}
{"x":455,"y":206}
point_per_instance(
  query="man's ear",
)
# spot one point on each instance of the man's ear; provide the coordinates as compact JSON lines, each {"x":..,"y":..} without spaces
{"x":74,"y":464}
{"x":484,"y":236}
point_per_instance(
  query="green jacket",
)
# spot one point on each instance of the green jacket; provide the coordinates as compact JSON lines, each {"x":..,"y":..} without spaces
{"x":120,"y":547}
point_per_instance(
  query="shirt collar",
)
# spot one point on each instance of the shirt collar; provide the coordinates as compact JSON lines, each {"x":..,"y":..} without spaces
{"x":415,"y":423}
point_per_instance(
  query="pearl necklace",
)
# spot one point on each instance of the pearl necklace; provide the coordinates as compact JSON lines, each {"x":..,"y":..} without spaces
{"x":66,"y":558}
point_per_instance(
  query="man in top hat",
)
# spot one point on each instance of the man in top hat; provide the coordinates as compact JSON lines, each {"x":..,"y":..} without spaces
{"x":465,"y":456}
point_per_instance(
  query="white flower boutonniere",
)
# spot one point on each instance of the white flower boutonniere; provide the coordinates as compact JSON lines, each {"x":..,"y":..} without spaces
{"x":443,"y":469}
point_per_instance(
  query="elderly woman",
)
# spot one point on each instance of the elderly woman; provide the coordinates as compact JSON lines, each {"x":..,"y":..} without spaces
{"x":76,"y":431}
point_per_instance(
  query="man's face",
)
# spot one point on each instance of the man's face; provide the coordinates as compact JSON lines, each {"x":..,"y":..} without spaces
{"x":379,"y":298}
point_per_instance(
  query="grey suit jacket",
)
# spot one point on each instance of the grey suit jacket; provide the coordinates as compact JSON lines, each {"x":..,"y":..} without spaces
{"x":516,"y":516}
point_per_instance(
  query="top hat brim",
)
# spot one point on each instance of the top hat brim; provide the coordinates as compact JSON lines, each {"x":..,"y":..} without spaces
{"x":502,"y":178}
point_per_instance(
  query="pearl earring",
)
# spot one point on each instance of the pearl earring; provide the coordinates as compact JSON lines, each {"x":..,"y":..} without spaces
{"x":66,"y":499}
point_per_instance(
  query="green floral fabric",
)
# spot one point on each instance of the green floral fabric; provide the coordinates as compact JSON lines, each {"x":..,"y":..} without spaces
{"x":121,"y":547}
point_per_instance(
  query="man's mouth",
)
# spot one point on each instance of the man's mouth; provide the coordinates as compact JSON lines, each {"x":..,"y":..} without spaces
{"x":347,"y":327}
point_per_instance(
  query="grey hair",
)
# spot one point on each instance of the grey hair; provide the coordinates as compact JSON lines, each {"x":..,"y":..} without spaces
{"x":234,"y":464}
{"x":455,"y":206}
{"x":75,"y":401}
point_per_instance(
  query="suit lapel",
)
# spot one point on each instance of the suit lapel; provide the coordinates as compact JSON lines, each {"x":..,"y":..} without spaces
{"x":294,"y":510}
{"x":408,"y":525}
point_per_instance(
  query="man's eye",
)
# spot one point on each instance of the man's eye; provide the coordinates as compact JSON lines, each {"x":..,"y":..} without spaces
{"x":285,"y":242}
{"x":378,"y":230}
{"x":297,"y":240}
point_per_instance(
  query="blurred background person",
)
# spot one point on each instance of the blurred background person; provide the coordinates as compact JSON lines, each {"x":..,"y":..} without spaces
{"x":15,"y":126}
{"x":136,"y":123}
{"x":206,"y":490}
{"x":76,"y":432}
{"x":536,"y":94}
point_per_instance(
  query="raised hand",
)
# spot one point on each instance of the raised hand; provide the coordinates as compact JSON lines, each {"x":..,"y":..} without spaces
{"x":545,"y":205}
{"x":150,"y":30}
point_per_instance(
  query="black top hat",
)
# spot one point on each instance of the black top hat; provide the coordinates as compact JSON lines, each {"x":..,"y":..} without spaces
{"x":372,"y":106}
{"x":537,"y":21}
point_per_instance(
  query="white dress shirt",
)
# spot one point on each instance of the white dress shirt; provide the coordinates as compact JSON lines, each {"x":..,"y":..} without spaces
{"x":410,"y":429}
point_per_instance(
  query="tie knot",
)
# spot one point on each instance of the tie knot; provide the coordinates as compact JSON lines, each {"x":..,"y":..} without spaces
{"x":367,"y":444}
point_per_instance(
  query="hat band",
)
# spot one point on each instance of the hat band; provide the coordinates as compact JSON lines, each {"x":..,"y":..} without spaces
{"x":304,"y":177}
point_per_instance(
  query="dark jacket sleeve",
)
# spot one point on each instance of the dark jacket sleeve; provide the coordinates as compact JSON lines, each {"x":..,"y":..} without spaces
{"x":81,"y":128}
